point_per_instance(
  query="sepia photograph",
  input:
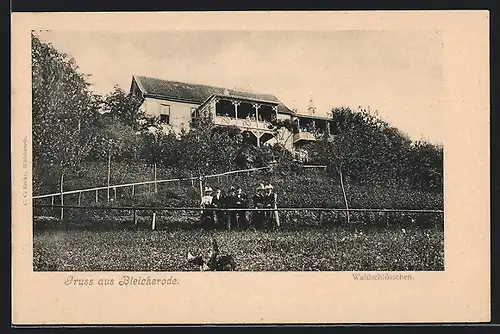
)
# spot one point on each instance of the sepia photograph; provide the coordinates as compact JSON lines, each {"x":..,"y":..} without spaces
{"x":237,"y":150}
{"x":250,"y":168}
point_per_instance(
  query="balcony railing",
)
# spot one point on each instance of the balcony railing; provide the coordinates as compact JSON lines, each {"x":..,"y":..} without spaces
{"x":304,"y":135}
{"x":244,"y":123}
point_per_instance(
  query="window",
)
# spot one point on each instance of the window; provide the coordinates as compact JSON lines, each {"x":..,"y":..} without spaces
{"x":194,"y":113}
{"x":165,"y":113}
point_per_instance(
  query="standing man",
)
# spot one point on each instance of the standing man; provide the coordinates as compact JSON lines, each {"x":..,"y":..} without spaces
{"x":241,"y":203}
{"x":207,"y":216}
{"x":270,"y":200}
{"x":230,"y":203}
{"x":219,"y":201}
{"x":258,"y":203}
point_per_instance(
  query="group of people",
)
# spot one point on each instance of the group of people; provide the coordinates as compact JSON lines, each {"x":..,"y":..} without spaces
{"x":264,"y":198}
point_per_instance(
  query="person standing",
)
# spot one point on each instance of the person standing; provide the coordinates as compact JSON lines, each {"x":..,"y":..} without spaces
{"x":258,"y":203}
{"x":230,"y":203}
{"x":241,"y":203}
{"x":207,"y":215}
{"x":270,"y":201}
{"x":219,"y":201}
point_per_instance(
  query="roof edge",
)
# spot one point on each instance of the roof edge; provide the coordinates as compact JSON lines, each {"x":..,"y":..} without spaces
{"x":204,"y":85}
{"x":278,"y":102}
{"x":162,"y":97}
{"x":326,"y":118}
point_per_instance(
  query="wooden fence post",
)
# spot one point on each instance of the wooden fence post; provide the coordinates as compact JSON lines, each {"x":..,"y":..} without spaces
{"x":135,"y":217}
{"x":109,"y":171}
{"x":97,"y":195}
{"x":156,"y":186}
{"x":201,"y":188}
{"x":192,"y":180}
{"x":114,"y":190}
{"x":79,"y":198}
{"x":345,"y":196}
{"x":62,"y":196}
{"x":52,"y":201}
{"x":133,"y":190}
{"x":153,"y":223}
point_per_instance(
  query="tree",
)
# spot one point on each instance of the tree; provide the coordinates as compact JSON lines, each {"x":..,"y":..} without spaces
{"x":116,"y":138}
{"x":160,"y":147}
{"x":425,"y":166}
{"x":283,"y":130}
{"x":64,"y":110}
{"x":368,"y":148}
{"x":126,"y":108}
{"x":208,"y":148}
{"x":364,"y":149}
{"x":336,"y":155}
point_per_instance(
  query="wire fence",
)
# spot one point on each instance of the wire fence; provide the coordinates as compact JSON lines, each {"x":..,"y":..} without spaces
{"x":153,"y":182}
{"x":104,"y":196}
{"x":110,"y":193}
{"x":283,"y":216}
{"x":105,"y":193}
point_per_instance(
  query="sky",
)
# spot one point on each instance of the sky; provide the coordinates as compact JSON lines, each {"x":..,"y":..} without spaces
{"x":396,"y":73}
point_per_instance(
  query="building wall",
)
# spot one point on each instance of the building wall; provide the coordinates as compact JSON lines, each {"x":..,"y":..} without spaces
{"x":180,"y":113}
{"x":283,"y":117}
{"x":180,"y":117}
{"x":285,"y":138}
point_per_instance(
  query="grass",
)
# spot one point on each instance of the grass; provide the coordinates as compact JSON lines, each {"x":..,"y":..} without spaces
{"x":307,"y":189}
{"x":375,"y":241}
{"x":312,"y":249}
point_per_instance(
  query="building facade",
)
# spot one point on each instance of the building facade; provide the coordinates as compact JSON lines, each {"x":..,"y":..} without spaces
{"x":177,"y":103}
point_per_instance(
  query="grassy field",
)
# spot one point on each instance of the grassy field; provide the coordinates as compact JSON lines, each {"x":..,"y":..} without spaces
{"x":308,"y":189}
{"x":310,"y":249}
{"x":374,"y":241}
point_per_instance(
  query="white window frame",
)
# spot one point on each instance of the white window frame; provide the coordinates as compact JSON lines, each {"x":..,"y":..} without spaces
{"x":193,"y":112}
{"x":165,"y":110}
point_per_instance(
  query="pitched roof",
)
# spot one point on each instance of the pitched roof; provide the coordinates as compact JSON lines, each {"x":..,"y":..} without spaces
{"x":195,"y":93}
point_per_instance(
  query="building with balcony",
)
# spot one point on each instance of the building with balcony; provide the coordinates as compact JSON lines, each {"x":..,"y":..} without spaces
{"x":177,"y":103}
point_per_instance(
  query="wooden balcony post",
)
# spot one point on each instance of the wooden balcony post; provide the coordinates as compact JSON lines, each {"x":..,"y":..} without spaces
{"x":256,"y":106}
{"x":275,"y":108}
{"x":214,"y":108}
{"x":236,"y":104}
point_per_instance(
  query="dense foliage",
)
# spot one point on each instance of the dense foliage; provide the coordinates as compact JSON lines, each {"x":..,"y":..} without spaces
{"x":64,"y":111}
{"x":370,"y":151}
{"x":76,"y":132}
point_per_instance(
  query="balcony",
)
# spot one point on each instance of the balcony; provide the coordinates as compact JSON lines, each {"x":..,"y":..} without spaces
{"x":303,"y":136}
{"x":241,"y":123}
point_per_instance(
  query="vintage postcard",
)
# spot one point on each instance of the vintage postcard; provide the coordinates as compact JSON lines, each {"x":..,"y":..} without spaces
{"x":250,"y":167}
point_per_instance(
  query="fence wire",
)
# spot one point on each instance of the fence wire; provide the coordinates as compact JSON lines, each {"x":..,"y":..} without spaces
{"x":155,"y":217}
